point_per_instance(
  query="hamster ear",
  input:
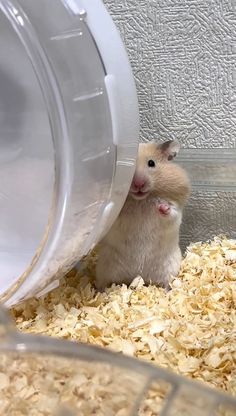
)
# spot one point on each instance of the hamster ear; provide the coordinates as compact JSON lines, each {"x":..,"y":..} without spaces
{"x":169,"y":149}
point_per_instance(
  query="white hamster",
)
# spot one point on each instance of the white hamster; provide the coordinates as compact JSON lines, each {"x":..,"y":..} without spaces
{"x":144,"y":240}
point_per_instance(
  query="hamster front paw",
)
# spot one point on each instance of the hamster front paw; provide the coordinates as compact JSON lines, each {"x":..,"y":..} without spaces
{"x":166,"y":209}
{"x":163,"y":207}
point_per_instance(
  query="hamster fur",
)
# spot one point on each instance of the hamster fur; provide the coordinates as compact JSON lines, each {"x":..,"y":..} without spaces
{"x":144,"y":240}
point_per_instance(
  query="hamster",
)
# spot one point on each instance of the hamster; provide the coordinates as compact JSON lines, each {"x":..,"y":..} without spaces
{"x":144,"y":240}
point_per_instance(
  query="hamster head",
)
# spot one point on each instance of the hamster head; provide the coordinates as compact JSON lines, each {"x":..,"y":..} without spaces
{"x":157,"y":176}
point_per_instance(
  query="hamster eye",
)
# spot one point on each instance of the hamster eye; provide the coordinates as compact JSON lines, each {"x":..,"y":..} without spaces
{"x":151,"y":163}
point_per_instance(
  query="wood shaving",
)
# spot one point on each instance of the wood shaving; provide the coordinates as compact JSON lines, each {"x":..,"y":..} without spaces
{"x":41,"y":387}
{"x":191,"y":329}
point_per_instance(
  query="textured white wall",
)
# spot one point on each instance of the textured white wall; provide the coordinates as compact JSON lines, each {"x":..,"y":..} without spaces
{"x":183,"y":55}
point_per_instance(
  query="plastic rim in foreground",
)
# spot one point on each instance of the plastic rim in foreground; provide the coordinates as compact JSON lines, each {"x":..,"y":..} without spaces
{"x":68,"y":137}
{"x":55,"y":367}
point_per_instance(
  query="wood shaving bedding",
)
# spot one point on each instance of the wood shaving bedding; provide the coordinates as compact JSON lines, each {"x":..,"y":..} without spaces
{"x":190,"y":329}
{"x":39,"y":386}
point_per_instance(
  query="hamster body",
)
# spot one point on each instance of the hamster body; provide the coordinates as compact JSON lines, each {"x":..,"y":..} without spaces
{"x":144,"y":240}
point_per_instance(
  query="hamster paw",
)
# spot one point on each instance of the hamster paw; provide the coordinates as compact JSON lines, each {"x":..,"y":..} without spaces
{"x":163,"y":208}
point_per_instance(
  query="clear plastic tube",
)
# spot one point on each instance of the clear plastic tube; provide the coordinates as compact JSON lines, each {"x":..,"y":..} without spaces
{"x":65,"y":169}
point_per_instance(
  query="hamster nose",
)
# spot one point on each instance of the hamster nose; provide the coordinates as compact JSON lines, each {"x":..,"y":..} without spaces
{"x":138,"y":183}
